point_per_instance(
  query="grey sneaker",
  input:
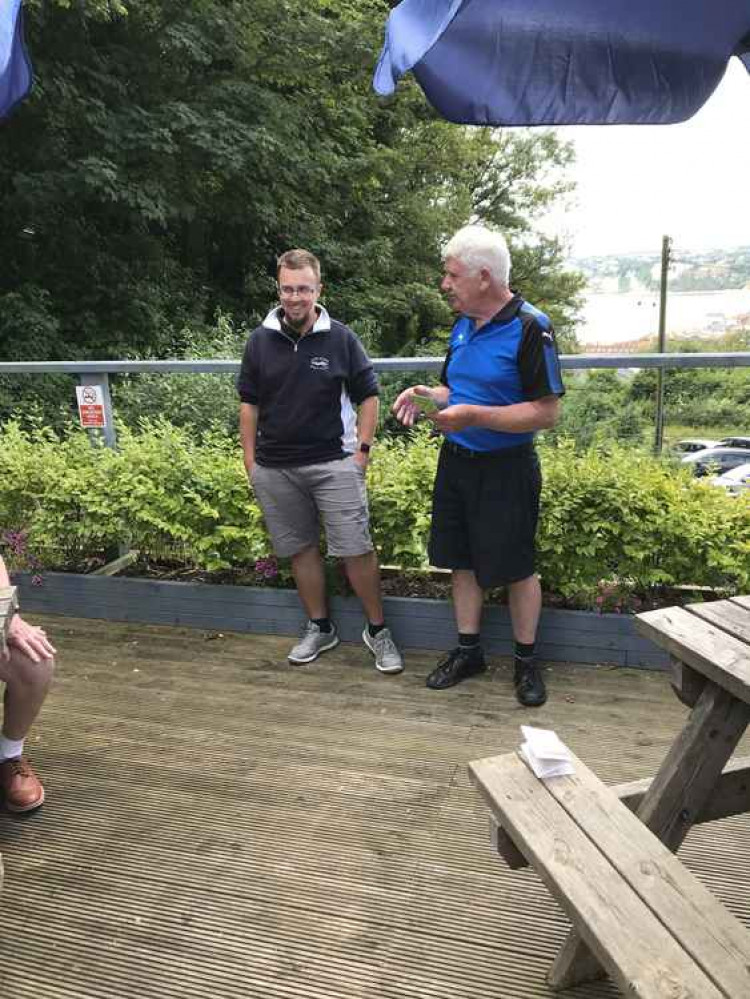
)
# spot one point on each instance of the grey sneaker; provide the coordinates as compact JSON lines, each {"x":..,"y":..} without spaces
{"x":312,"y":643}
{"x":387,"y":657}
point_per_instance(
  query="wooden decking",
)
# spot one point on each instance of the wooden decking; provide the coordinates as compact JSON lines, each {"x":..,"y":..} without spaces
{"x":221,"y":825}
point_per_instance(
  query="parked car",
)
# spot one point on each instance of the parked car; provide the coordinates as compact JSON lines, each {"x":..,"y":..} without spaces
{"x":736,"y":480}
{"x":735,"y":442}
{"x":715,"y":460}
{"x":694,"y":444}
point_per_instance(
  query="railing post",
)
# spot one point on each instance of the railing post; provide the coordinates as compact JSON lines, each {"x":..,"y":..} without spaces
{"x":108,"y":431}
{"x":661,"y":374}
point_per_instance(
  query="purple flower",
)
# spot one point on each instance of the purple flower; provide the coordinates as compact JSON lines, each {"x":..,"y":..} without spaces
{"x":267,"y":568}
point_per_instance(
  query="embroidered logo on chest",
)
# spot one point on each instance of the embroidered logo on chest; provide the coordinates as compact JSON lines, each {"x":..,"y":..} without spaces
{"x":319,"y":363}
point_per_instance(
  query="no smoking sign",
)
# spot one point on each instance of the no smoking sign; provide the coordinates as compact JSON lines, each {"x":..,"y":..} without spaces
{"x":91,"y":406}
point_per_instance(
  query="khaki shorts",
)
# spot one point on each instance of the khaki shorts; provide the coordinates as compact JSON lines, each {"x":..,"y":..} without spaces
{"x":295,"y":500}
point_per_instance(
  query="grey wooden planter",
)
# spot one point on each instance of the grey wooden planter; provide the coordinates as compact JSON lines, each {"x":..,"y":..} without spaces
{"x":565,"y":635}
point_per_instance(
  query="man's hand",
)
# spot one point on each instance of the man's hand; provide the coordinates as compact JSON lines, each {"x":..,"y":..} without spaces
{"x":361,"y":460}
{"x":454,"y":418}
{"x":32,"y":641}
{"x":404,"y":408}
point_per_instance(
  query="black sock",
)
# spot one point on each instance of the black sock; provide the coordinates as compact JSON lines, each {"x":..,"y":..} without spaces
{"x":324,"y":623}
{"x":373,"y":629}
{"x":525,"y":651}
{"x":468,"y":639}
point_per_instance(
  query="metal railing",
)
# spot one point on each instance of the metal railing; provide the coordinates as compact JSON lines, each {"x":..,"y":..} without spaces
{"x":98,"y":372}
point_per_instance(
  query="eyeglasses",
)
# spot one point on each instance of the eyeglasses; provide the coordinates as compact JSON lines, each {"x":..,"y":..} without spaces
{"x":303,"y":290}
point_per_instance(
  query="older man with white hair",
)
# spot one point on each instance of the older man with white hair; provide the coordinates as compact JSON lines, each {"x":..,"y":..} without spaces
{"x":501,"y":383}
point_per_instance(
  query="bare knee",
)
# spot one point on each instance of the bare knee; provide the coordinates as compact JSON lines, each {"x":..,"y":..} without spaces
{"x":23,"y":671}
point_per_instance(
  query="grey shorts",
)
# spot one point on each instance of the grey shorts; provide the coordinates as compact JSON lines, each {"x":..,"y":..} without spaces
{"x":295,"y":500}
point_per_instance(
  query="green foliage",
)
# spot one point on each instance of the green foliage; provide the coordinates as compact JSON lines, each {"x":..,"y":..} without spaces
{"x":616,"y":514}
{"x":598,"y":408}
{"x":400,"y":487}
{"x":609,"y":516}
{"x":169,"y":152}
{"x":703,"y":396}
{"x":164,"y":490}
{"x":192,"y":401}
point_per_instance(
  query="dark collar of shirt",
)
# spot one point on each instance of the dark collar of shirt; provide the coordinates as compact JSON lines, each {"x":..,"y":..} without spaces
{"x":509,"y":311}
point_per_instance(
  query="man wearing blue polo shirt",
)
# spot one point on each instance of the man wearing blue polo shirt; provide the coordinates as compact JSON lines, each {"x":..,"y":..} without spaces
{"x":501,"y":383}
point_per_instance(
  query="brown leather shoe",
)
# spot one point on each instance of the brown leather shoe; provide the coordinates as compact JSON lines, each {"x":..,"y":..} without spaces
{"x":22,"y":788}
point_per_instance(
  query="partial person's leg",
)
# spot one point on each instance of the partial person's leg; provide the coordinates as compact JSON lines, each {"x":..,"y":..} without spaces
{"x":454,"y":493}
{"x":467,"y":659}
{"x":468,"y":598}
{"x":309,"y":575}
{"x":525,"y":603}
{"x":363,"y":573}
{"x":341,"y":496}
{"x":26,"y":686}
{"x":292,"y":521}
{"x":504,"y":540}
{"x":320,"y":633}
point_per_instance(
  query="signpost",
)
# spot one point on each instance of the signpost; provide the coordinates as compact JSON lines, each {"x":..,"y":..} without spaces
{"x":91,"y":406}
{"x":95,"y":408}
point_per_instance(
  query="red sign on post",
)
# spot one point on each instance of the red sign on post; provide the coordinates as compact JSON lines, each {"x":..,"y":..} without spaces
{"x":91,"y":406}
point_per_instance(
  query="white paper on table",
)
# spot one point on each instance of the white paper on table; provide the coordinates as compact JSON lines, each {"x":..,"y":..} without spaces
{"x":545,"y":752}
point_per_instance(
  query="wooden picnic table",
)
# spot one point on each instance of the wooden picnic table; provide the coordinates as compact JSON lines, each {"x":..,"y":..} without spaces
{"x":583,"y":836}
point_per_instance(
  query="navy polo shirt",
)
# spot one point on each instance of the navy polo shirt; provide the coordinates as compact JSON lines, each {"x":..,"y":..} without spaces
{"x":512,"y":358}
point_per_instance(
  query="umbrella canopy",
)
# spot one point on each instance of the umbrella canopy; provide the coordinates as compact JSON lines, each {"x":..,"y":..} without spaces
{"x":557,"y":62}
{"x":15,"y":68}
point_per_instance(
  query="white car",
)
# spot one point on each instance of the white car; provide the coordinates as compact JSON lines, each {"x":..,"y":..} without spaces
{"x":734,"y":481}
{"x":692,"y":445}
{"x":715,"y":460}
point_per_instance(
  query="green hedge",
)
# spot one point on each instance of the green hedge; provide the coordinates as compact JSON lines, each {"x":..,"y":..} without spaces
{"x":612,"y":515}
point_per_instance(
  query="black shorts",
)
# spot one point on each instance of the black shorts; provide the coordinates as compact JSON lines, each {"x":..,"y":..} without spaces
{"x":485,"y":509}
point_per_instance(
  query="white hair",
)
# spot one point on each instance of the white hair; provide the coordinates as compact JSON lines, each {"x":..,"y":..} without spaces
{"x":477,"y":247}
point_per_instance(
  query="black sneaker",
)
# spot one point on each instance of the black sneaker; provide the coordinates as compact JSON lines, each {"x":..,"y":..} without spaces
{"x":458,"y":665}
{"x":529,"y":684}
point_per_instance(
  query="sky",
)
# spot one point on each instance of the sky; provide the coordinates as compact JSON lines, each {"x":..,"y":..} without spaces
{"x":637,"y":183}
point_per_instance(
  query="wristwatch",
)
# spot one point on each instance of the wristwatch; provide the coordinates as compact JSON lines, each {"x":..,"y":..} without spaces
{"x":365,"y":448}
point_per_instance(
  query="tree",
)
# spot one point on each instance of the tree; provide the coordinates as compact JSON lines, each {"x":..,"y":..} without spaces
{"x":172,"y":149}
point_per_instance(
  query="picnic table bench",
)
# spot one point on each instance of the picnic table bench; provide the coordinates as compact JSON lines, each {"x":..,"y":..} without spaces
{"x":606,"y":853}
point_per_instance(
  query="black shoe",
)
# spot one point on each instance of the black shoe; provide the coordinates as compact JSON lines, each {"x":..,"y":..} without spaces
{"x":459,"y":664}
{"x":529,"y":684}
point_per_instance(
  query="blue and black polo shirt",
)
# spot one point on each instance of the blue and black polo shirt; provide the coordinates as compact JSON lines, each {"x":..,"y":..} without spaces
{"x":512,"y":358}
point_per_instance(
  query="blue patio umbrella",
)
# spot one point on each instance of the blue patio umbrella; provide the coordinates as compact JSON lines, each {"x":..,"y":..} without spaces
{"x":15,"y":67}
{"x":557,"y":62}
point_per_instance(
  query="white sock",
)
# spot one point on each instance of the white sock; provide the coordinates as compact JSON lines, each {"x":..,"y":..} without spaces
{"x":10,"y":748}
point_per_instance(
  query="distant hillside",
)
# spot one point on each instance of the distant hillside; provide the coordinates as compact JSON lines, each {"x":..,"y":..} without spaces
{"x":711,"y":270}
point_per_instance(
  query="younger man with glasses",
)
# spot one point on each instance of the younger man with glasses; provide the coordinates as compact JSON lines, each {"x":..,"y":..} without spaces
{"x":306,"y":451}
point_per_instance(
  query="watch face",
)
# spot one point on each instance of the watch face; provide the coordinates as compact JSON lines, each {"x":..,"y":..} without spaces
{"x":364,"y":448}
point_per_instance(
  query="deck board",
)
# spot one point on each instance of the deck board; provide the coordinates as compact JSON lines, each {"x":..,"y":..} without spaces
{"x":221,"y":824}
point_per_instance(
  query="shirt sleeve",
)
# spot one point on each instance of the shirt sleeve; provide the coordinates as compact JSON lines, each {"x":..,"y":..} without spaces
{"x":539,"y":361}
{"x":247,"y":380}
{"x":363,"y":381}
